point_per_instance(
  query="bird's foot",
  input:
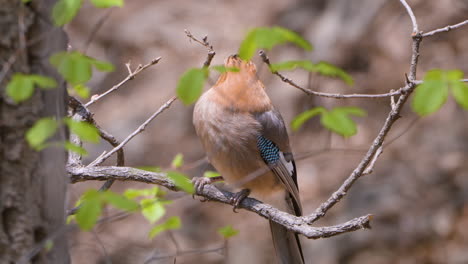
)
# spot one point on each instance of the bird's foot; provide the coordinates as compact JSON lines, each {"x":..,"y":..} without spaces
{"x":238,"y":197}
{"x":200,"y":182}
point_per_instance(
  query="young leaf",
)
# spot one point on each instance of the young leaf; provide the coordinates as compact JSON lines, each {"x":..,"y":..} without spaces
{"x":190,"y":85}
{"x":81,"y":90}
{"x":75,"y":148}
{"x":64,"y":11}
{"x":223,"y":69}
{"x":228,"y":231}
{"x":21,"y":86}
{"x":267,"y":38}
{"x":431,"y":94}
{"x":171,"y":224}
{"x":322,"y":68}
{"x":84,"y":130}
{"x":75,"y":67}
{"x":119,"y":201}
{"x":304,"y":116}
{"x":88,"y":214}
{"x":107,"y":3}
{"x":178,"y":161}
{"x":152,"y":209}
{"x":134,"y":193}
{"x":42,"y":130}
{"x":338,"y":120}
{"x":459,"y":88}
{"x":181,"y":181}
{"x":90,"y":209}
{"x":211,"y":174}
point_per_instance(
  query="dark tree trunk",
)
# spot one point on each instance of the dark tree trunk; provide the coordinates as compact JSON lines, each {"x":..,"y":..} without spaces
{"x":32,"y":184}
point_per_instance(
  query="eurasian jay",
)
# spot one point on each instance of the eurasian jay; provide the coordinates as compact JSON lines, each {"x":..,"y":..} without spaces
{"x":246,"y":141}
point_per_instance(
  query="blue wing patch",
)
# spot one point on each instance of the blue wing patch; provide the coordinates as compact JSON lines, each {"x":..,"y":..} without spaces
{"x":268,"y":150}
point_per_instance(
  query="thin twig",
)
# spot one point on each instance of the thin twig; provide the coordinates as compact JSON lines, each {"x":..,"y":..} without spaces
{"x":411,"y":14}
{"x":128,"y":78}
{"x":444,"y":29}
{"x":185,"y":253}
{"x":370,"y":167}
{"x":204,"y":42}
{"x":329,"y":95}
{"x":140,"y":129}
{"x":96,"y":28}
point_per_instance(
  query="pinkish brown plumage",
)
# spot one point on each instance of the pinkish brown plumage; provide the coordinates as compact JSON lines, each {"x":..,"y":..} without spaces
{"x":246,"y":141}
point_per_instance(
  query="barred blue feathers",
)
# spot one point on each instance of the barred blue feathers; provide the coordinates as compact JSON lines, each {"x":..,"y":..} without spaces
{"x":268,"y":150}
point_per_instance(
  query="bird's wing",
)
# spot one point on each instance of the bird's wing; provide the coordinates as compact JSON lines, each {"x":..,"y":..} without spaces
{"x":273,"y":144}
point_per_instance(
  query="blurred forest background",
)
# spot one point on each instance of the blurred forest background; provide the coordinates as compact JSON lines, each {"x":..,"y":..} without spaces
{"x":418,"y":192}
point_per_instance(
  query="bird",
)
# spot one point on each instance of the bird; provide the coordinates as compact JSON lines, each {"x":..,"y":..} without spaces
{"x":246,"y":141}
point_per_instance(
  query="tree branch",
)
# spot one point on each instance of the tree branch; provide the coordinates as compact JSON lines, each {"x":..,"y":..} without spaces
{"x":210,"y":192}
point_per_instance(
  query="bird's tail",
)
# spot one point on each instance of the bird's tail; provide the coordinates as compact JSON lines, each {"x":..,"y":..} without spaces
{"x":287,"y":245}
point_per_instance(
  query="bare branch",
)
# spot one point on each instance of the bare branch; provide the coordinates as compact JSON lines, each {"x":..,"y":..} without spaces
{"x":140,"y":129}
{"x":411,"y":14}
{"x":444,"y":29}
{"x":128,"y":78}
{"x":329,"y":95}
{"x":210,"y":192}
{"x":370,"y":167}
{"x":204,"y":42}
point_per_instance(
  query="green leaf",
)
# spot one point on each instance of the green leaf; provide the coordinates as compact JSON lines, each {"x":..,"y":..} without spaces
{"x":458,"y":87}
{"x":73,"y":66}
{"x":26,"y":1}
{"x":181,"y":181}
{"x":300,"y":119}
{"x":267,"y":38}
{"x":81,"y":90}
{"x":64,"y":11}
{"x":178,"y":161}
{"x":84,"y":130}
{"x":171,"y":224}
{"x":134,"y":193}
{"x":76,"y":68}
{"x":75,"y":148}
{"x":42,"y":130}
{"x":338,"y":120}
{"x":152,"y":209}
{"x":119,"y":201}
{"x":89,"y":211}
{"x":211,"y":174}
{"x":21,"y":86}
{"x":223,"y":69}
{"x":88,"y":214}
{"x":101,"y":65}
{"x":323,"y":68}
{"x":431,"y":94}
{"x":107,"y":3}
{"x":228,"y":231}
{"x":190,"y":85}
{"x":460,"y":93}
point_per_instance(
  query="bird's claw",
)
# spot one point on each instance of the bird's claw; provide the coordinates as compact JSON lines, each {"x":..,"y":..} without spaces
{"x":237,"y":198}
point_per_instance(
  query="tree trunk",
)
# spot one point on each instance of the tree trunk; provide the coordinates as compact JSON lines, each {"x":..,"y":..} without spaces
{"x":32,"y":184}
